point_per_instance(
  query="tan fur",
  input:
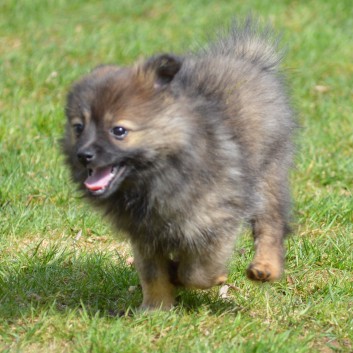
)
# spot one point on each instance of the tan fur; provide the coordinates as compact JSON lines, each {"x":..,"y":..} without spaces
{"x":158,"y":291}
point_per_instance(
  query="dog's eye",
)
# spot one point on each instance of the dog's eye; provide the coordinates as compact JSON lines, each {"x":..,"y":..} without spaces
{"x":78,"y":128}
{"x":119,"y":132}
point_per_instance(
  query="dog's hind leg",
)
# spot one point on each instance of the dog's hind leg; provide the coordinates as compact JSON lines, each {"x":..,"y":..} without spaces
{"x":270,"y":226}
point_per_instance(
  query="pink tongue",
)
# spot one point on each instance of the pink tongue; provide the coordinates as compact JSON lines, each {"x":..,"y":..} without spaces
{"x":99,"y":179}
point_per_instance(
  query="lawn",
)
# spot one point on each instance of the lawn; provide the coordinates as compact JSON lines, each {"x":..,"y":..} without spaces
{"x":64,"y":277}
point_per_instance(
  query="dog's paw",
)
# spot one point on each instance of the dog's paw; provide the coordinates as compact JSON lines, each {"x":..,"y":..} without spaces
{"x":264,"y":271}
{"x":221,"y":280}
{"x":151,"y":307}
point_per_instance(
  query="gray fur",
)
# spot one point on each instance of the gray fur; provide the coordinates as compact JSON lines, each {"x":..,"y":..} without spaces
{"x":214,"y":155}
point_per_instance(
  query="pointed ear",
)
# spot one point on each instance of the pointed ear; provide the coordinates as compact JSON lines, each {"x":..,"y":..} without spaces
{"x":165,"y":66}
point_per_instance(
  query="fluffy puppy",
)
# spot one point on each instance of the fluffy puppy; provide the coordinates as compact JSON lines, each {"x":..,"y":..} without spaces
{"x":181,"y":151}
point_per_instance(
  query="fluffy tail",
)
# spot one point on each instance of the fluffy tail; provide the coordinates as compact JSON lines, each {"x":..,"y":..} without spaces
{"x":251,"y":42}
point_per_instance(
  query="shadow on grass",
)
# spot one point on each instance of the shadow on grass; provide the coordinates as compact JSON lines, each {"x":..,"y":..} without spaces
{"x":99,"y":283}
{"x":209,"y":300}
{"x":62,"y":279}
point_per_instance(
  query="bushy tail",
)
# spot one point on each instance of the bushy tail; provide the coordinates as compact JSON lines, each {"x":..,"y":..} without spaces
{"x":249,"y":41}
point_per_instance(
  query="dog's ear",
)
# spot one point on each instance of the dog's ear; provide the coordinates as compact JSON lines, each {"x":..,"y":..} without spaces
{"x":165,"y":67}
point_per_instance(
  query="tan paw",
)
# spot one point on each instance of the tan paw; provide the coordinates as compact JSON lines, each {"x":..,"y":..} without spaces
{"x":221,"y":280}
{"x":154,"y":307}
{"x":264,"y":271}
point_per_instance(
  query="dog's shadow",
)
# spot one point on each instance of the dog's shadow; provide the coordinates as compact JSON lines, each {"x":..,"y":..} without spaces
{"x":98,"y":283}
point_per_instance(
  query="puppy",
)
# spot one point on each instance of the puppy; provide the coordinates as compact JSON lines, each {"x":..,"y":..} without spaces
{"x":181,"y":151}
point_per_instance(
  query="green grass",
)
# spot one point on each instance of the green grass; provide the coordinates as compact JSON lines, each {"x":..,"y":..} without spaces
{"x":60,"y":292}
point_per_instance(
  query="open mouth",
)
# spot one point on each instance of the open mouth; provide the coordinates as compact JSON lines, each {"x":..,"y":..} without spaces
{"x":100,"y":180}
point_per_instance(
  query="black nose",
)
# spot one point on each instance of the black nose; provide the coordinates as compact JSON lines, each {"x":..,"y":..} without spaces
{"x":86,"y":155}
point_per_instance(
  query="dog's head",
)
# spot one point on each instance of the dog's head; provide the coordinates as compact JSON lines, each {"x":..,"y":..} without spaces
{"x":122,"y":122}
